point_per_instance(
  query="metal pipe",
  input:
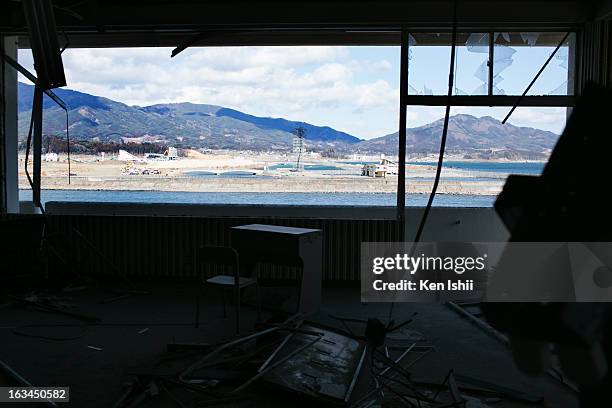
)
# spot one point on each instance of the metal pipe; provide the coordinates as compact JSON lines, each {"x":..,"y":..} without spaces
{"x":37,"y":113}
{"x":491,"y":67}
{"x":21,"y":381}
{"x":518,"y":101}
{"x":278,"y":363}
{"x":401,"y":173}
{"x":32,"y":78}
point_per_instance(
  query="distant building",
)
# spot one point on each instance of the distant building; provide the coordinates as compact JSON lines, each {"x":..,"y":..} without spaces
{"x":51,"y":157}
{"x":125,"y":156}
{"x":374,"y":170}
{"x":382,"y":169}
{"x":171,"y":153}
{"x":155,"y":156}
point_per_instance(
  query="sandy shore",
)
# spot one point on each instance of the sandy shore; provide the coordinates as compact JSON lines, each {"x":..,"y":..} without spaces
{"x":272,"y":185}
{"x":93,"y":173}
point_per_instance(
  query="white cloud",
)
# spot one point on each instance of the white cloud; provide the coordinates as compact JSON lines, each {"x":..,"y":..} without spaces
{"x":531,"y":117}
{"x":330,"y":73}
{"x":136,"y":75}
{"x":374,"y":66}
{"x":375,"y":94}
{"x":239,"y":57}
{"x":321,"y":85}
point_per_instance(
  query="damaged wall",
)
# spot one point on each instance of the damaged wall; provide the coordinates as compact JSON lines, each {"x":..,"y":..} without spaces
{"x":595,"y":59}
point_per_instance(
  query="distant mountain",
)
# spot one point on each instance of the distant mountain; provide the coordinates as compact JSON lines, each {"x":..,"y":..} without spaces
{"x":180,"y":124}
{"x":319,"y":133}
{"x":214,"y":127}
{"x":72,"y":99}
{"x":472,"y":137}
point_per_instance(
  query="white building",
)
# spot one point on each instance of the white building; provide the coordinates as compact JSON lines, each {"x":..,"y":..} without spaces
{"x":172,"y":153}
{"x":382,"y":169}
{"x":125,"y":156}
{"x":51,"y":157}
{"x":154,"y":156}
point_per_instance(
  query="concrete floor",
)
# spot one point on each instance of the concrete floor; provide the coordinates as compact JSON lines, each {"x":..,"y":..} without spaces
{"x":96,"y":376}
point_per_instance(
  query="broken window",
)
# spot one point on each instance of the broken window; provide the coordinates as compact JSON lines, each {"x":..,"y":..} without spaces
{"x":491,"y":70}
{"x":517,"y":58}
{"x":429,"y":59}
{"x":204,"y":128}
{"x":498,"y":63}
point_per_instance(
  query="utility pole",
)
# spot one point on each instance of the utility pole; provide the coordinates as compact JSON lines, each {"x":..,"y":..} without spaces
{"x":300,"y":132}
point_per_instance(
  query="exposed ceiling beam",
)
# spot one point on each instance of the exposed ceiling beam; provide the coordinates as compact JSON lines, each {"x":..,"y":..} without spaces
{"x":603,"y":10}
{"x":113,"y":23}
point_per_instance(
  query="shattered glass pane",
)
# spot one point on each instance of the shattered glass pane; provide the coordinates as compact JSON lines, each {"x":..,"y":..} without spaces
{"x":429,"y":61}
{"x":411,"y":42}
{"x":478,"y":42}
{"x":505,"y":36}
{"x":530,"y":38}
{"x":517,"y":58}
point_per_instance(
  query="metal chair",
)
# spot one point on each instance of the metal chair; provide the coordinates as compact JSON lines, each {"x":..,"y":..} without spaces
{"x":227,"y":257}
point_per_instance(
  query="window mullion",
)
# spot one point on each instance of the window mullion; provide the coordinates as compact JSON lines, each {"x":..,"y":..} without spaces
{"x":491,"y":51}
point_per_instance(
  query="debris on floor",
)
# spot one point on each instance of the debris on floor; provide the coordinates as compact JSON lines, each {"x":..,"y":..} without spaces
{"x":302,"y":363}
{"x":51,"y":304}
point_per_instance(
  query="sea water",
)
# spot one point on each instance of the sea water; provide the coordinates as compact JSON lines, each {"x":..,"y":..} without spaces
{"x":180,"y":197}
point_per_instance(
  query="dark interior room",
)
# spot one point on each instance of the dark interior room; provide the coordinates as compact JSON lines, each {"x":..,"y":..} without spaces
{"x":334,"y":203}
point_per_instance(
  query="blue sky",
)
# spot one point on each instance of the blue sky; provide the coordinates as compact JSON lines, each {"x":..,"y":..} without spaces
{"x":353,"y":89}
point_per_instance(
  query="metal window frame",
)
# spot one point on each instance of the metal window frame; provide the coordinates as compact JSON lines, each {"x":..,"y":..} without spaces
{"x":497,"y":100}
{"x":489,"y":100}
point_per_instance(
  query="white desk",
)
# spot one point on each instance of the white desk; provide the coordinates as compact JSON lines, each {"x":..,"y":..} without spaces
{"x":258,"y":241}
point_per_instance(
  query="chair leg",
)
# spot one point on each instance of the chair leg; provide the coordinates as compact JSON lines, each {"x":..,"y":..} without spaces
{"x":299,"y":295}
{"x":197,"y":311}
{"x":224,"y":307}
{"x":299,"y":298}
{"x":258,"y":300}
{"x":237,"y":294}
{"x":201,"y":295}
